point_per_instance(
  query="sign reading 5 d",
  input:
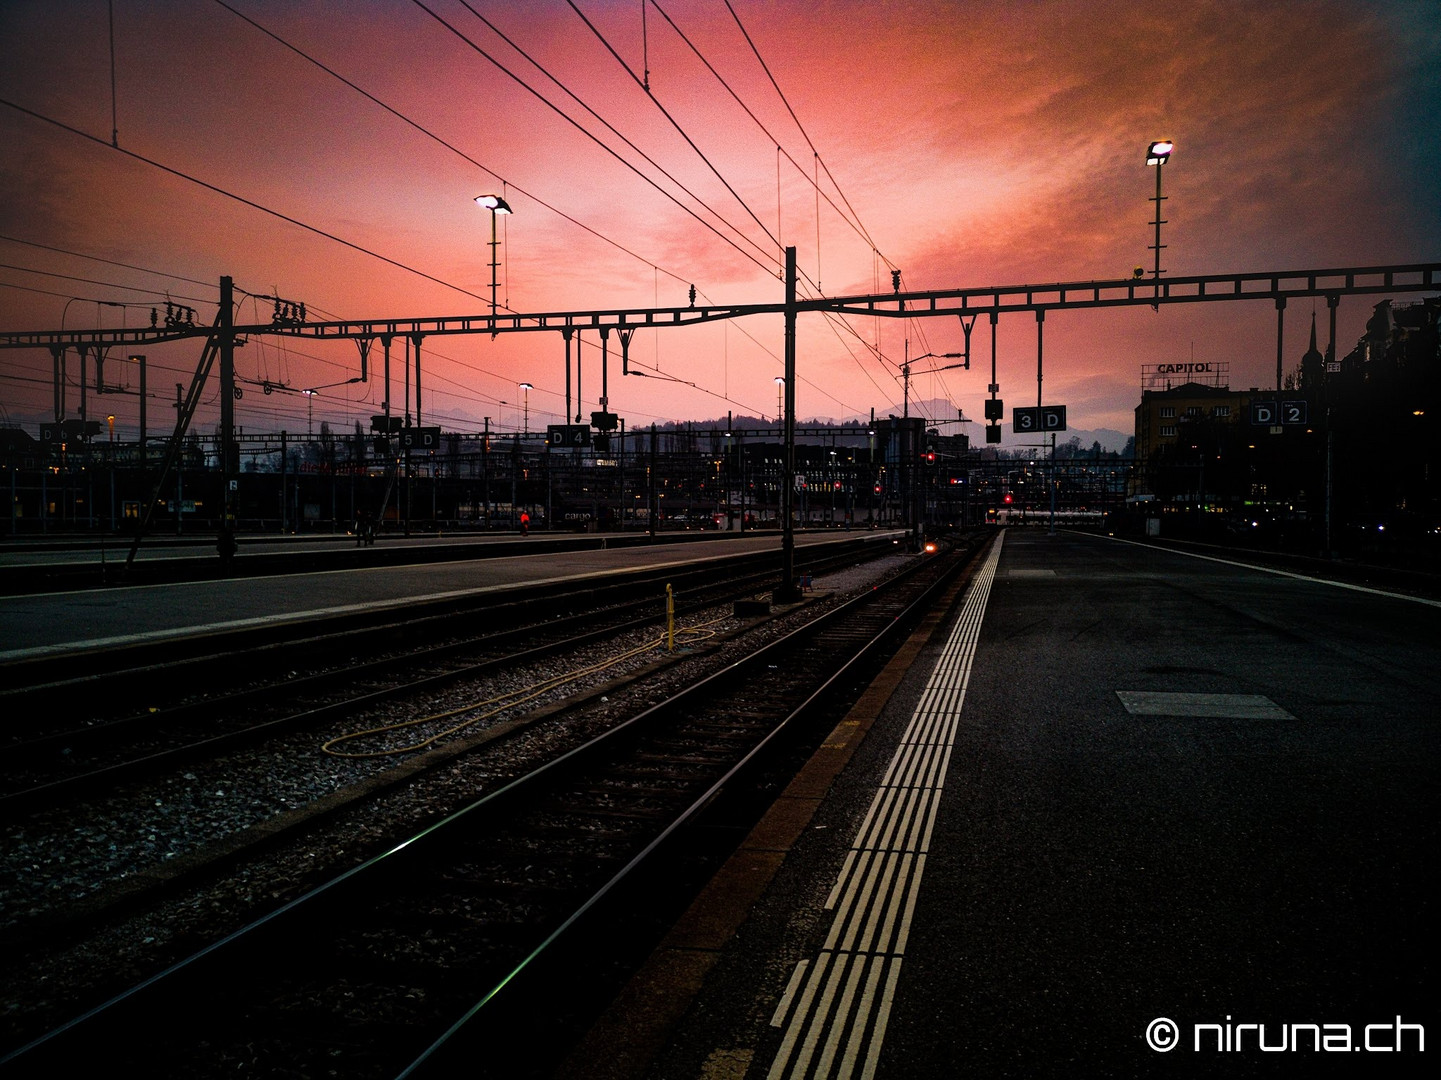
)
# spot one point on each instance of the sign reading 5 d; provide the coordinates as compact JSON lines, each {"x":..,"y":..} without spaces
{"x":1038,"y":420}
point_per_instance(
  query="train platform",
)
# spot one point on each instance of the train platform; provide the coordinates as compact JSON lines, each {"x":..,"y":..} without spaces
{"x":53,"y":563}
{"x":80,"y":620}
{"x":1117,"y":811}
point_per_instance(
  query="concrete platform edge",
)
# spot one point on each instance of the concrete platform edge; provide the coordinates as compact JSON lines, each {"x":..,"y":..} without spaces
{"x":636,"y":1028}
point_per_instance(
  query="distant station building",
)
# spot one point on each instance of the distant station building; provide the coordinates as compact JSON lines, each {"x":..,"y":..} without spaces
{"x":1177,"y":397}
{"x":1345,"y":447}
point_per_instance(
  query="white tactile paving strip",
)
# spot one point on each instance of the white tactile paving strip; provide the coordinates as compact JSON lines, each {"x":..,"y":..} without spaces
{"x":836,"y":1007}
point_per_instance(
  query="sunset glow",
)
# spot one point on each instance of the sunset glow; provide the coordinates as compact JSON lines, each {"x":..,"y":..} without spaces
{"x":332,"y":154}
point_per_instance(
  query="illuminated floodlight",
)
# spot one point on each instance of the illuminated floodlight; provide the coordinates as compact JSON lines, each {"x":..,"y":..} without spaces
{"x":1158,"y":152}
{"x":493,"y":203}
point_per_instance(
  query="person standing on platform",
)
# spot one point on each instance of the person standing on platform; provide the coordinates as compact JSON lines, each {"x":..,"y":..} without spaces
{"x":524,"y":523}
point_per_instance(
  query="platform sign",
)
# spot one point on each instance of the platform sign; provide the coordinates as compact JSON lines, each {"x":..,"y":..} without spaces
{"x":567,"y":436}
{"x":1039,"y":420}
{"x":420,"y":438}
{"x":1273,"y":413}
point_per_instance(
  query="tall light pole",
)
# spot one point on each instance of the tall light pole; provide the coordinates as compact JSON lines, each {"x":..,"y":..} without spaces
{"x":1157,"y":154}
{"x":780,"y":398}
{"x":497,"y":206}
{"x":527,"y":388}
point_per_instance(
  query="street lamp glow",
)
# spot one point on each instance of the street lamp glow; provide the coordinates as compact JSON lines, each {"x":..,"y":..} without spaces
{"x":494,"y":203}
{"x":1158,"y":152}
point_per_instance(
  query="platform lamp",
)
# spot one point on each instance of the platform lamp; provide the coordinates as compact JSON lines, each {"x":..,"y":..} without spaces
{"x":497,"y":206}
{"x":780,"y":399}
{"x":1157,"y":154}
{"x":527,"y":388}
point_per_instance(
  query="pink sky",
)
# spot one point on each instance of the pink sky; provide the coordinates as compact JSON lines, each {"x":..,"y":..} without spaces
{"x":978,"y":143}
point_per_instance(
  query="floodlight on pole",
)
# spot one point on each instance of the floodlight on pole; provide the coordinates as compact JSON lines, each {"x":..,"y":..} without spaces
{"x":525,"y":424}
{"x":1157,"y":154}
{"x":497,"y":206}
{"x":780,"y":398}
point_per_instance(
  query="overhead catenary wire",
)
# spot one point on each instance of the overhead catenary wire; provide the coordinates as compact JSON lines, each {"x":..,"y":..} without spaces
{"x":529,"y":195}
{"x":108,"y":284}
{"x":801,"y":127}
{"x":847,"y":214}
{"x":111,"y":262}
{"x":217,"y":189}
{"x":283,"y":216}
{"x":674,"y":123}
{"x":591,"y":135}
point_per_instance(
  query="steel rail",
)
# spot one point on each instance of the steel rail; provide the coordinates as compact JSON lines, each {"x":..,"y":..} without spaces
{"x":443,"y":1045}
{"x":72,"y":744}
{"x":379,"y":875}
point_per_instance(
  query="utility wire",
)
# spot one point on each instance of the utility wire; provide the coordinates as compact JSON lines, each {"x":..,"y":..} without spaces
{"x":107,"y":284}
{"x":847,"y":215}
{"x":851,"y":219}
{"x":590,"y":135}
{"x":674,"y":123}
{"x":799,"y":125}
{"x":237,"y":198}
{"x":111,"y":262}
{"x":537,"y":200}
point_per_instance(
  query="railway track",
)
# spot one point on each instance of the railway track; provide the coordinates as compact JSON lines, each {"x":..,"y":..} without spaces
{"x":460,"y":933}
{"x":333,"y":672}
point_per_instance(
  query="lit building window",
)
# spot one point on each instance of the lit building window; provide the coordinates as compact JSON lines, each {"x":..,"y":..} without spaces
{"x":1168,"y":412}
{"x":1168,"y":431}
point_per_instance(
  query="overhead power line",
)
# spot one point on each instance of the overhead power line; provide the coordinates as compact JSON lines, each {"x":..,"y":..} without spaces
{"x":237,"y":198}
{"x":110,"y":262}
{"x":591,"y":135}
{"x":801,"y":127}
{"x":439,"y":140}
{"x":674,"y":123}
{"x":846,"y":214}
